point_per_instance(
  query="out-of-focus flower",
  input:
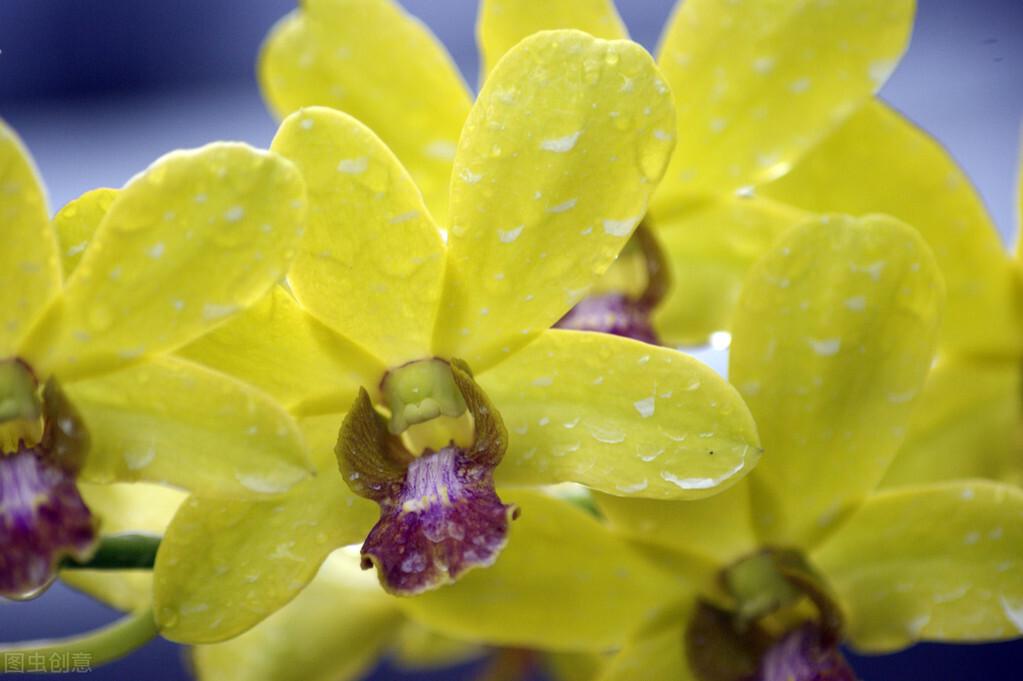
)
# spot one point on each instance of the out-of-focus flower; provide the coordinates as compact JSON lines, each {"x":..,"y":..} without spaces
{"x":86,"y":388}
{"x":547,"y":189}
{"x":757,"y":87}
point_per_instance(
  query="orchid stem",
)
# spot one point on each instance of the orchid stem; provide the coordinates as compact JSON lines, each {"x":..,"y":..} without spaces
{"x":94,"y":648}
{"x":120,"y":552}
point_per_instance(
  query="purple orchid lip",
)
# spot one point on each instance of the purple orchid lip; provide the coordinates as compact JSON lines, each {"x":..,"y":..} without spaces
{"x":446,"y":520}
{"x":804,"y":654}
{"x":613,"y":313}
{"x":43,"y":517}
{"x":439,"y":513}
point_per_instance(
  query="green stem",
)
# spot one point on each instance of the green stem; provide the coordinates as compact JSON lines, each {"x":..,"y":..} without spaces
{"x":120,"y":552}
{"x":92,"y":649}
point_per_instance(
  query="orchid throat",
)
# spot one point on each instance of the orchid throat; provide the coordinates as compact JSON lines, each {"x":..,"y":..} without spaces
{"x":429,"y":467}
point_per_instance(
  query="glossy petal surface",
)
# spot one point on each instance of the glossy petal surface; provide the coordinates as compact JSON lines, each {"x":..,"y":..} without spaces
{"x":224,"y":566}
{"x":561,"y":150}
{"x":717,"y":530}
{"x":709,"y":245}
{"x":619,"y":416}
{"x":76,"y":224}
{"x":29,"y":266}
{"x":370,"y":59}
{"x":563,"y":583}
{"x":335,"y":630}
{"x":880,"y":162}
{"x":834,"y":334}
{"x":169,"y":420}
{"x":758,"y":84}
{"x":278,"y":347}
{"x":124,"y":507}
{"x":372,"y":262}
{"x":933,"y":562}
{"x":966,"y":424}
{"x":503,"y":23}
{"x":197,"y":236}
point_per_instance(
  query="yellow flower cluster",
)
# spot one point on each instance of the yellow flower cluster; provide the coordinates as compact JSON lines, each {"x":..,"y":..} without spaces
{"x":360,"y":336}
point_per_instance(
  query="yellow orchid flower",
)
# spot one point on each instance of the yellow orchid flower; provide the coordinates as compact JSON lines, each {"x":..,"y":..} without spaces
{"x":757,"y":87}
{"x":834,"y":334}
{"x":87,"y":388}
{"x":387,"y":316}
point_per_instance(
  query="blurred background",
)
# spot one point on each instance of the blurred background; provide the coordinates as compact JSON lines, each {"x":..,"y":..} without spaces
{"x":99,"y":88}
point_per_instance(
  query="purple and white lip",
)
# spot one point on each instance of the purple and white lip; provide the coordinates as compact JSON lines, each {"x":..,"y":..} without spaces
{"x":43,"y":518}
{"x":613,"y":313}
{"x":804,"y":654}
{"x":440,"y":515}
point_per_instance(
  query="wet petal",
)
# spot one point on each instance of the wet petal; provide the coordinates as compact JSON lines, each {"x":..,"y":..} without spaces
{"x":621,"y":417}
{"x":834,"y":333}
{"x":278,"y":347}
{"x":336,"y":629}
{"x":370,"y":59}
{"x":966,"y":424}
{"x":371,"y":264}
{"x":76,"y":224}
{"x":42,"y":519}
{"x":716,"y":530}
{"x":758,"y":85}
{"x":29,"y":266}
{"x":171,"y":421}
{"x":179,"y":251}
{"x":933,"y":562}
{"x":503,"y":23}
{"x":709,"y":246}
{"x":563,"y":583}
{"x":880,"y":162}
{"x":124,"y":507}
{"x":224,"y":566}
{"x":560,"y":153}
{"x":439,"y":514}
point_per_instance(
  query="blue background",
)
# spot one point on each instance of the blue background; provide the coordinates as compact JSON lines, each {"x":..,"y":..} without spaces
{"x":100,"y":88}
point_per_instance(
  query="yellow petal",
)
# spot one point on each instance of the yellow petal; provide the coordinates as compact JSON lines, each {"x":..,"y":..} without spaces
{"x":503,"y":23}
{"x":370,"y":59}
{"x":194,"y":238}
{"x":573,"y":666}
{"x":418,"y":648}
{"x":335,"y":630}
{"x":619,"y":416}
{"x":279,"y":348}
{"x":371,"y":264}
{"x":834,"y":333}
{"x":966,"y":424}
{"x":169,"y":420}
{"x":880,"y":162}
{"x":560,"y":153}
{"x":563,"y":583}
{"x":717,"y":530}
{"x":136,"y":507}
{"x":29,"y":266}
{"x":76,"y":224}
{"x":709,"y":245}
{"x":224,"y":566}
{"x":655,"y":655}
{"x":935,"y":562}
{"x":758,"y":84}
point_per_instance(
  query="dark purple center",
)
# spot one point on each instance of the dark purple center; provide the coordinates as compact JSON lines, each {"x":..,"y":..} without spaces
{"x":614,"y":313}
{"x":42,"y":519}
{"x":804,"y":654}
{"x":446,"y":519}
